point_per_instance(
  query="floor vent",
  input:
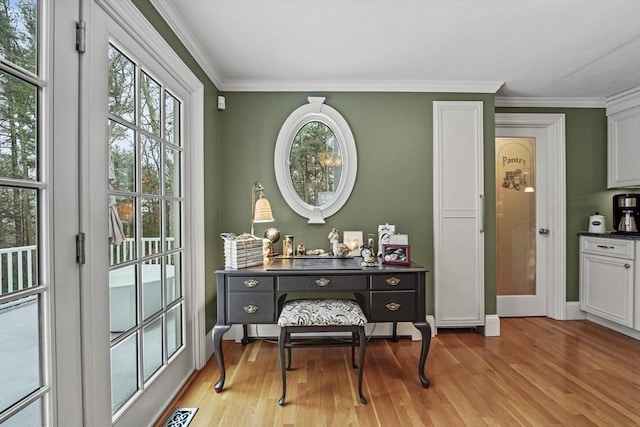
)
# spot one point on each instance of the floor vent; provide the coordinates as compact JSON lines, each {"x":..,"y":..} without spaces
{"x":181,"y":417}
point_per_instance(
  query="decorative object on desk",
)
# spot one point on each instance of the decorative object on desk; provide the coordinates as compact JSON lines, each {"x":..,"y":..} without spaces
{"x":371,"y":243}
{"x":287,"y":245}
{"x":316,"y":252}
{"x":384,"y":231}
{"x":341,"y":250}
{"x":334,"y":239}
{"x":273,"y":234}
{"x":260,"y":207}
{"x":368,"y":258}
{"x":353,"y":240}
{"x":301,"y":250}
{"x":396,"y":254}
{"x":398,"y":239}
{"x":242,"y":251}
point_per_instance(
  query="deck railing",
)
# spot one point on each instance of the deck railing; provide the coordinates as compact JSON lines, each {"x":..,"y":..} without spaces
{"x":18,"y":266}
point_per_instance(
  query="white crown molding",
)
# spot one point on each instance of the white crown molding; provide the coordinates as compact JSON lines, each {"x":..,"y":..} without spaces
{"x":362,"y":86}
{"x":168,"y":12}
{"x":623,"y":100}
{"x":502,"y":101}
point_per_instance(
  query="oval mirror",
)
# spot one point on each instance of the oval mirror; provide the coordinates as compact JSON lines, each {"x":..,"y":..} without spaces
{"x":315,"y":160}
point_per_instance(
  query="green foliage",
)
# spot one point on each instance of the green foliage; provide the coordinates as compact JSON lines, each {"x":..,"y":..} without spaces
{"x":18,"y":123}
{"x":314,"y":156}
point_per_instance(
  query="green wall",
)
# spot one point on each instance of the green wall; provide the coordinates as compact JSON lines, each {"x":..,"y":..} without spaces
{"x":393,"y":134}
{"x":211,"y":160}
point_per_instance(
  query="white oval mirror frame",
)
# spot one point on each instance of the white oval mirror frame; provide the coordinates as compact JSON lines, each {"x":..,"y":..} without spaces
{"x":316,"y":111}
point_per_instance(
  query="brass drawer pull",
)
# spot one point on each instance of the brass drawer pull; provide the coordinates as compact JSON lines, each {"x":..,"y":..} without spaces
{"x":251,"y":283}
{"x":323,"y":281}
{"x":393,"y":306}
{"x":393,"y":281}
{"x":250,"y":308}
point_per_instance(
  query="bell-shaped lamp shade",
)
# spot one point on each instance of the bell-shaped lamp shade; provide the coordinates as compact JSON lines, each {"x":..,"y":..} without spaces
{"x":262,"y":211}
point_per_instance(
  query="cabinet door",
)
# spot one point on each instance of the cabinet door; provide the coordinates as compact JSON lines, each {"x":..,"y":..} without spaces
{"x":458,"y":208}
{"x":606,"y":287}
{"x":624,"y":148}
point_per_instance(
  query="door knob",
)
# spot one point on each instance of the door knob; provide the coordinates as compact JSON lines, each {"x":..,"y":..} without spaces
{"x":543,"y":231}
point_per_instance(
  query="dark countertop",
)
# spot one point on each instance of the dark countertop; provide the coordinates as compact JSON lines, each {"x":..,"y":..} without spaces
{"x":612,"y":235}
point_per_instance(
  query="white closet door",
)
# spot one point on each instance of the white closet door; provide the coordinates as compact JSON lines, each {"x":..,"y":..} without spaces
{"x":458,"y":213}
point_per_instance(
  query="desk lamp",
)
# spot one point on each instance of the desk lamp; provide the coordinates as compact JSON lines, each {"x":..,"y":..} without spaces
{"x":260,"y":207}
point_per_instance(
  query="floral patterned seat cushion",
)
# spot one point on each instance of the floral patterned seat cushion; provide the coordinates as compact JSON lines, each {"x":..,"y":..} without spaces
{"x":322,"y":312}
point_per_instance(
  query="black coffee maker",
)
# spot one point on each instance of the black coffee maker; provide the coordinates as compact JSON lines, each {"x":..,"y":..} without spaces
{"x":626,"y":213}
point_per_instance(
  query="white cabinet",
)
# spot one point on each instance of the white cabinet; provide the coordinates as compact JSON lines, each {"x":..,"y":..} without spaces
{"x":607,"y":278}
{"x":458,"y":209}
{"x":623,"y":122}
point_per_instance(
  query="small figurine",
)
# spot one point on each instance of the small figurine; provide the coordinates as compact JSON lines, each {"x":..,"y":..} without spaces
{"x":301,"y":250}
{"x":334,"y":239}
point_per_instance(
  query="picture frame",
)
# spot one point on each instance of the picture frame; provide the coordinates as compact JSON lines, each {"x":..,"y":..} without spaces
{"x":353,"y":240}
{"x":396,"y":254}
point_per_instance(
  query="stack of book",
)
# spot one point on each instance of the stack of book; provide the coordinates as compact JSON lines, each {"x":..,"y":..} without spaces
{"x":242,"y":251}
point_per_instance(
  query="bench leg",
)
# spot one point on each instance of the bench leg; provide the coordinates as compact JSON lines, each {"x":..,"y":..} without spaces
{"x":281,"y":340}
{"x":363,"y":345}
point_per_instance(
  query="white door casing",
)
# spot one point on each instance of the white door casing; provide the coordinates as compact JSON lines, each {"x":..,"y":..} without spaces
{"x":550,"y":214}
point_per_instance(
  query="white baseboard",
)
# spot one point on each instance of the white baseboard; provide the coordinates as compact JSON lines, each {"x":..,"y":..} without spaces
{"x":573,"y":312}
{"x":491,"y":325}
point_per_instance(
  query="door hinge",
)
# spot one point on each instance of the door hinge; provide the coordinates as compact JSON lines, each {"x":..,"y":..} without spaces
{"x":80,"y":36}
{"x":80,"y":252}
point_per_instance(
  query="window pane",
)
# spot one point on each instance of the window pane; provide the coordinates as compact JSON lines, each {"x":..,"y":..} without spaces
{"x":151,"y":286}
{"x":122,"y":229}
{"x":174,"y":329}
{"x":18,"y":128}
{"x":172,"y":119}
{"x":124,"y":371}
{"x":172,"y":172}
{"x":152,"y":339}
{"x":29,"y":416}
{"x":173,"y":273}
{"x":19,"y":349}
{"x":150,"y":165}
{"x":123,"y":158}
{"x":149,"y":104}
{"x":18,"y":31}
{"x":122,"y":299}
{"x":173,"y":217}
{"x":18,"y":238}
{"x":121,"y":85}
{"x":151,"y":226}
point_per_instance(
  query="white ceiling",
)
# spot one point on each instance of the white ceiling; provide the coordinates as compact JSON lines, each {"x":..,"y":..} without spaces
{"x":522,"y":48}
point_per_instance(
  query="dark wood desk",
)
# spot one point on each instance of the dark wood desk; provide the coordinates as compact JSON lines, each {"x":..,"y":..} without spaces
{"x":256,"y":295}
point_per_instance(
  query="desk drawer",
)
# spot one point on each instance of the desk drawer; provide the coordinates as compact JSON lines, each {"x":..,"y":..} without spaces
{"x":393,"y":306}
{"x":251,"y":283}
{"x":250,"y":307}
{"x":387,"y":282}
{"x":324,"y":283}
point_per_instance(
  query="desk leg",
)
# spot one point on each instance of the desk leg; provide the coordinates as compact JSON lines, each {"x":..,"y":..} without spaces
{"x":245,"y":335}
{"x":425,"y":330}
{"x":218,"y":332}
{"x":394,"y":333}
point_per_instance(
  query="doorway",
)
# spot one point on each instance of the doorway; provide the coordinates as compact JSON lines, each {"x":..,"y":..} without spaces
{"x":530,"y":198}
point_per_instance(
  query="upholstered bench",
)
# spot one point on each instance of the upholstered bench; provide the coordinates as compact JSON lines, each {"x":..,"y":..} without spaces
{"x":321,"y":315}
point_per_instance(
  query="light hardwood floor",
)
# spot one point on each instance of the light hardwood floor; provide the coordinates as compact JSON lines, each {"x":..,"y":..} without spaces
{"x":539,"y":372}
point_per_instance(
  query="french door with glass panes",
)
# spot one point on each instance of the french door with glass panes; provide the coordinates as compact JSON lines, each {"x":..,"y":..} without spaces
{"x":25,"y":290}
{"x":139,"y":211}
